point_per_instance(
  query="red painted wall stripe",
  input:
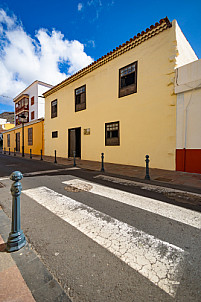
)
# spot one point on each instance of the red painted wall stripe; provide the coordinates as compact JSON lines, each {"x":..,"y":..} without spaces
{"x":188,"y":160}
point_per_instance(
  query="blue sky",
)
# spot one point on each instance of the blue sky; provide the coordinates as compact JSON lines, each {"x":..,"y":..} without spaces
{"x":50,"y":40}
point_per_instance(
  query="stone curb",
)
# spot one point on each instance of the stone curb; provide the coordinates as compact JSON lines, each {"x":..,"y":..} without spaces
{"x":39,"y":280}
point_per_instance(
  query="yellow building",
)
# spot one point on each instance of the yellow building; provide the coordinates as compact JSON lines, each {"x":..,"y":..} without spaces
{"x":4,"y":125}
{"x":8,"y":126}
{"x":123,"y":104}
{"x":33,"y":137}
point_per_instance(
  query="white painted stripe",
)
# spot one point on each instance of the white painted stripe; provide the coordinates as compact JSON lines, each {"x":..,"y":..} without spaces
{"x":144,"y":186}
{"x":4,"y":178}
{"x":156,"y":260}
{"x":49,"y":171}
{"x":177,"y":213}
{"x":73,"y":168}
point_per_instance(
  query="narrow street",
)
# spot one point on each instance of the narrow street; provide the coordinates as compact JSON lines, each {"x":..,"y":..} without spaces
{"x":108,"y":238}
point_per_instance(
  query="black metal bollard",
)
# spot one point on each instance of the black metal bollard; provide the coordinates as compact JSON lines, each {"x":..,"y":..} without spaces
{"x":30,"y":154}
{"x":102,"y":162}
{"x":16,"y":239}
{"x":55,"y":156}
{"x":14,"y":152}
{"x":9,"y":151}
{"x":74,"y":162}
{"x":4,"y":150}
{"x":147,"y":167}
{"x":41,"y":154}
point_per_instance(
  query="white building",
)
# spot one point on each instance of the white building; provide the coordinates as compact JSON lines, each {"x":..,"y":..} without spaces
{"x":30,"y":102}
{"x":188,"y":90}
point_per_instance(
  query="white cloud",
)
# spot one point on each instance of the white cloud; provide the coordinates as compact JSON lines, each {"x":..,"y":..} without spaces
{"x":94,"y":2}
{"x":4,"y":18}
{"x":24,"y":59}
{"x":97,"y":6}
{"x":91,"y":43}
{"x":80,"y":6}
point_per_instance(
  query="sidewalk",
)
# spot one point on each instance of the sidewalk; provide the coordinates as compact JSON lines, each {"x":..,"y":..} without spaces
{"x":23,"y":276}
{"x":157,"y":175}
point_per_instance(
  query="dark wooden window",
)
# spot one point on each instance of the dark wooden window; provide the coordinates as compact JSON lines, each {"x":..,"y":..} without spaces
{"x":32,"y":115}
{"x":32,"y":100}
{"x":128,"y":80}
{"x":112,"y":134}
{"x":80,"y":98}
{"x":54,"y":109}
{"x":54,"y":134}
{"x":30,"y":136}
{"x":8,"y":140}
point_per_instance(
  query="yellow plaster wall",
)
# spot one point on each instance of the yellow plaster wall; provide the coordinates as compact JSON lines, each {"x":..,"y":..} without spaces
{"x":9,"y":126}
{"x":38,"y":138}
{"x":147,"y":118}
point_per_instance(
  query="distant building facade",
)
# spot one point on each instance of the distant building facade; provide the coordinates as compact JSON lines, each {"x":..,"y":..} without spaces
{"x":33,"y":138}
{"x":5,"y":124}
{"x":9,"y":116}
{"x":30,"y":102}
{"x":123,"y":104}
{"x":188,"y":91}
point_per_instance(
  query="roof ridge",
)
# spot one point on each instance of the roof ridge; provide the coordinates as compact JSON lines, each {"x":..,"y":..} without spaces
{"x":115,"y":50}
{"x":34,"y":82}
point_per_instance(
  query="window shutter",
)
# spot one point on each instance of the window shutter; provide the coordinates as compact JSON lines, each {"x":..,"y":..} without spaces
{"x":80,"y":98}
{"x":128,"y":80}
{"x":30,"y":136}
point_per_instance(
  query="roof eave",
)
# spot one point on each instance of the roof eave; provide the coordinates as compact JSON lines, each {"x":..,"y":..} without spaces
{"x":133,"y":42}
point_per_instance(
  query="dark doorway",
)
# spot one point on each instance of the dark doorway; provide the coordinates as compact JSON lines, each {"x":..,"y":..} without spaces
{"x":74,"y":142}
{"x":18,"y":141}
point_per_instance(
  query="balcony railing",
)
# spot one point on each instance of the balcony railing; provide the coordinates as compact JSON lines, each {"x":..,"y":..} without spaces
{"x":23,"y":108}
{"x":18,"y":120}
{"x":22,"y":105}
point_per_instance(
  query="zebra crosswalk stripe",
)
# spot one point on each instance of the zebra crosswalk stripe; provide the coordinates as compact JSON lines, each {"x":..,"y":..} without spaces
{"x":155,"y":259}
{"x":173,"y":212}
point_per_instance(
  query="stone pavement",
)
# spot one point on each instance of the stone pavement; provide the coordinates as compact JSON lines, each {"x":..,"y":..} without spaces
{"x":157,"y":175}
{"x":23,"y":276}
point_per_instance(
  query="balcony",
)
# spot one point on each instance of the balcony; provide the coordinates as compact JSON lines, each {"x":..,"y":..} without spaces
{"x":22,"y":105}
{"x":17,"y":118}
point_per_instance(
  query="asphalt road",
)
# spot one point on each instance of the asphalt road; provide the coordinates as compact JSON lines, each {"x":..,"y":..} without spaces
{"x":107,"y":240}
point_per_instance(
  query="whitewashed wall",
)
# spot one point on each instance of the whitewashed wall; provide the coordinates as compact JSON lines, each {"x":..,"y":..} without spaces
{"x":185,"y":54}
{"x":41,"y":101}
{"x":33,"y":91}
{"x":188,"y":90}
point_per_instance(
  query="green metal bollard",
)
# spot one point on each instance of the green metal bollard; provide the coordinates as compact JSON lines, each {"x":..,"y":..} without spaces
{"x":147,"y":167}
{"x":74,"y":154}
{"x":102,"y":162}
{"x":55,"y":156}
{"x":16,"y":239}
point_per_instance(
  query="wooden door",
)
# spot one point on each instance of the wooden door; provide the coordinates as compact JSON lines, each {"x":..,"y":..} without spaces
{"x":71,"y":142}
{"x":74,"y":142}
{"x":18,"y":141}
